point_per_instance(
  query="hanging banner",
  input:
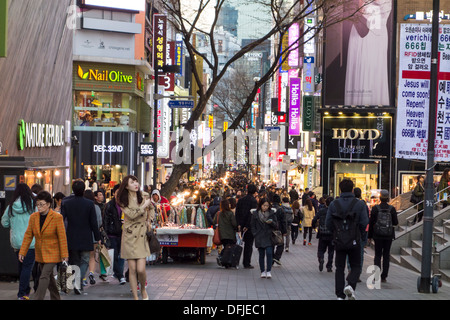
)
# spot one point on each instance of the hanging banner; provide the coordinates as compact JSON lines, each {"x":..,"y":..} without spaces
{"x":414,"y":93}
{"x":294,"y":106}
{"x":159,"y":41}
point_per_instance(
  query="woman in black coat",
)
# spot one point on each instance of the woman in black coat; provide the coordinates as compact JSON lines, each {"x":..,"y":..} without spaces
{"x":263,"y":222}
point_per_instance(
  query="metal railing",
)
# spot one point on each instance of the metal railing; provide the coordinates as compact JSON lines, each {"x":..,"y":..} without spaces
{"x":413,"y":217}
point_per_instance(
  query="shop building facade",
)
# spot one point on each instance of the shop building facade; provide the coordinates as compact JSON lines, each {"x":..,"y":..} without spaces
{"x":35,"y":108}
{"x":110,"y":113}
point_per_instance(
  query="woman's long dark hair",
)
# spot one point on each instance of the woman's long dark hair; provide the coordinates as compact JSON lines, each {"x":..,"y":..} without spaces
{"x":261,"y":202}
{"x":22,"y":192}
{"x":122,"y":195}
{"x":308,"y":202}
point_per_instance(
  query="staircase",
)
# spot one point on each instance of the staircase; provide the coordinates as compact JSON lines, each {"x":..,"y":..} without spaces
{"x":406,"y":249}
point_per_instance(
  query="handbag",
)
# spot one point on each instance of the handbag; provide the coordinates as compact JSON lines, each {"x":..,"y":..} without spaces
{"x":277,"y":238}
{"x":153,"y":242}
{"x":414,"y":199}
{"x":216,"y":238}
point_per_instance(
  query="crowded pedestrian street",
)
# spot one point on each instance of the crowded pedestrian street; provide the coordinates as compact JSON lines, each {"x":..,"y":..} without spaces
{"x":225,"y":158}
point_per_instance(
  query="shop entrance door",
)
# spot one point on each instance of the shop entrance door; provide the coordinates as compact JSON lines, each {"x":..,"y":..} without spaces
{"x":365,"y":175}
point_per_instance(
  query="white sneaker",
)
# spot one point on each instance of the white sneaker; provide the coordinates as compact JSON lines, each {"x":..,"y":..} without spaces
{"x":350,"y":293}
{"x":263,"y":274}
{"x":268,"y":275}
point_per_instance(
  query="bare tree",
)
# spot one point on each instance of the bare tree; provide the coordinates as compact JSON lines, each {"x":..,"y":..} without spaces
{"x":284,"y":14}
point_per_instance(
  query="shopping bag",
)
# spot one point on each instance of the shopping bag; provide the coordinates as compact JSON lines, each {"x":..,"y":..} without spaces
{"x":104,"y":256}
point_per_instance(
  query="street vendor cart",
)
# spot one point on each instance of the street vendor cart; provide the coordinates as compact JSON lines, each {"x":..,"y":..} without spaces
{"x":178,"y":242}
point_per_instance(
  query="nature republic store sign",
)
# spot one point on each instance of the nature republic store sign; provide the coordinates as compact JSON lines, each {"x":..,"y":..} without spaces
{"x":38,"y":135}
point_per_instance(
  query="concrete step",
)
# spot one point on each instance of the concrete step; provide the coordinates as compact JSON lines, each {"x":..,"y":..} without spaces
{"x":411,"y":263}
{"x":416,"y":243}
{"x":445,"y":274}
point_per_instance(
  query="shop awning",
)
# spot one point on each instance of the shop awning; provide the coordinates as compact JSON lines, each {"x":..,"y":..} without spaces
{"x":29,"y":163}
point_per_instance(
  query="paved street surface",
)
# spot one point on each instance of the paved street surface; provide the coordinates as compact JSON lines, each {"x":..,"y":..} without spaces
{"x":297,"y":279}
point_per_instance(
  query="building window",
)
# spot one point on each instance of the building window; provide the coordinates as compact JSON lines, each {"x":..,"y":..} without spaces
{"x":104,"y":111}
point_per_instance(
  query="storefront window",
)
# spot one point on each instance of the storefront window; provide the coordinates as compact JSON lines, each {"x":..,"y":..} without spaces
{"x":364,"y":176}
{"x":409,"y":180}
{"x":104,"y":111}
{"x":41,"y":177}
{"x":106,"y":176}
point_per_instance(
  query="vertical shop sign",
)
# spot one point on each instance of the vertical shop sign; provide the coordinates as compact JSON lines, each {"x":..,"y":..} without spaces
{"x":294,"y":107}
{"x":179,"y":53}
{"x":294,"y":34}
{"x":3,"y":27}
{"x":308,"y":113}
{"x":414,"y":93}
{"x":159,"y":41}
{"x":308,"y":75}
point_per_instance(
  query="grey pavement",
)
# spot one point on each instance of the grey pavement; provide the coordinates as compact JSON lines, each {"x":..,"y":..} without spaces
{"x":297,"y":279}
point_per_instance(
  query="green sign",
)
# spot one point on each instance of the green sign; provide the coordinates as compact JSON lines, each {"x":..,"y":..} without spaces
{"x":308,"y":113}
{"x":3,"y":27}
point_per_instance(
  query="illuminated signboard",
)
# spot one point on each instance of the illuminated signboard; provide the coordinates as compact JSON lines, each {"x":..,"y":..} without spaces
{"x":131,"y":5}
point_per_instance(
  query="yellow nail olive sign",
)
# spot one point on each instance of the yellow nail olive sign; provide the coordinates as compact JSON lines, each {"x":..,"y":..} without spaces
{"x":104,"y":75}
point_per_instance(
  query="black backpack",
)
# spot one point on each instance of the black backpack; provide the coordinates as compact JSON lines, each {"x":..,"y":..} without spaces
{"x":383,"y":226}
{"x":346,"y":234}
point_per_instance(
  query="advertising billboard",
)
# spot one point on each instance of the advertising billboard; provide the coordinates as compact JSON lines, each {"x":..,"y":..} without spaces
{"x":359,"y":54}
{"x":129,"y":5}
{"x":414,"y":93}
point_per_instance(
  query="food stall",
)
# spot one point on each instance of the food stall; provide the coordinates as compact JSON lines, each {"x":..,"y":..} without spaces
{"x":183,"y":232}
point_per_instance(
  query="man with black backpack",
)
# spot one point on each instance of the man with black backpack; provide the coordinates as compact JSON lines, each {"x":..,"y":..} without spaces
{"x":347,"y":220}
{"x":325,"y":237}
{"x":381,"y":229}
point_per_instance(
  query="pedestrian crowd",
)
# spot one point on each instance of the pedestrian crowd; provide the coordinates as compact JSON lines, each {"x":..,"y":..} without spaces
{"x":50,"y":233}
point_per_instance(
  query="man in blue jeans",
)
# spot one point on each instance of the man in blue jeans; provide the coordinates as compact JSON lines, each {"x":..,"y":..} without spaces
{"x":339,"y":208}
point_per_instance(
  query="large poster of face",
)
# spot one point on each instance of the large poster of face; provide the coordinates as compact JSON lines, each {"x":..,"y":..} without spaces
{"x":358,"y":54}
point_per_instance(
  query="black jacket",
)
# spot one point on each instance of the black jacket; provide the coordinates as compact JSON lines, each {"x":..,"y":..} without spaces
{"x":243,"y":207}
{"x":81,"y":219}
{"x":212,"y":210}
{"x":281,"y":218}
{"x":374,"y":217}
{"x":111,"y":220}
{"x":323,"y":232}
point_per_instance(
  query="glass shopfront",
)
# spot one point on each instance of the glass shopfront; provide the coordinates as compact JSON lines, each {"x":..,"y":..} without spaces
{"x":359,"y":148}
{"x":104,"y":111}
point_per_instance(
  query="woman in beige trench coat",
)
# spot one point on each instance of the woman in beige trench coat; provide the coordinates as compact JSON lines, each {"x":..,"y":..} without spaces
{"x":135,"y":248}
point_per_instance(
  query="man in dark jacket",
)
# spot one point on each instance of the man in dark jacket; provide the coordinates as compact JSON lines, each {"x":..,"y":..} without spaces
{"x":382,"y":242}
{"x":112,"y":223}
{"x":243,"y":218}
{"x":325,"y":237}
{"x":281,"y":218}
{"x":212,"y":210}
{"x":353,"y":253}
{"x":293,"y":194}
{"x":81,"y":219}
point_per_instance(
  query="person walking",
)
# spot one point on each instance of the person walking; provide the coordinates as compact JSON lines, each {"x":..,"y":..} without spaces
{"x":419,"y":192}
{"x":289,"y":217}
{"x":81,"y":220}
{"x":90,"y":195}
{"x":263,"y":222}
{"x":325,"y":237}
{"x":308,"y":216}
{"x":381,"y":229}
{"x":293,"y":195}
{"x":281,"y":218}
{"x":112,"y":224}
{"x":47,"y":228}
{"x":358,"y":195}
{"x":296,"y":220}
{"x":243,"y":218}
{"x":16,"y":218}
{"x":134,"y":247}
{"x":347,"y":219}
{"x":58,"y":198}
{"x":226,"y":220}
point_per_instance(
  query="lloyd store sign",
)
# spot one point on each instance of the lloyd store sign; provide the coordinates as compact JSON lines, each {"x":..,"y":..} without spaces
{"x":37,"y":135}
